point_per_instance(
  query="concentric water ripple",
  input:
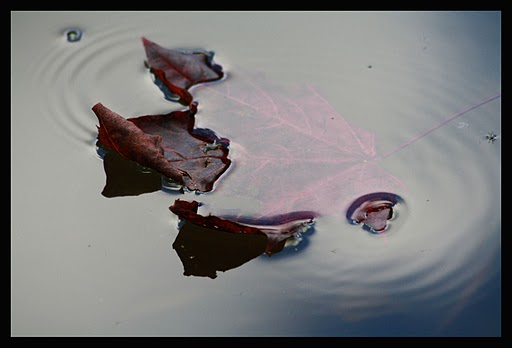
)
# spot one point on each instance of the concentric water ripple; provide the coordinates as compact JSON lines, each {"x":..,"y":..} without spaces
{"x":105,"y":65}
{"x":448,"y":238}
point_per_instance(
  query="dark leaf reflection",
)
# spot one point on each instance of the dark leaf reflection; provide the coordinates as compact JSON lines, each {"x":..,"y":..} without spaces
{"x":204,"y":251}
{"x":125,"y":177}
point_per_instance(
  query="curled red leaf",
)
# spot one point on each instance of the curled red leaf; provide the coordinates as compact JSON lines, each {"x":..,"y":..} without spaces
{"x":132,"y":143}
{"x":167,"y":143}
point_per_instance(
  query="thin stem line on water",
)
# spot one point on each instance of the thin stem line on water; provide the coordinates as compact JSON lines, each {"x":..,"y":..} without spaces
{"x":430,"y":130}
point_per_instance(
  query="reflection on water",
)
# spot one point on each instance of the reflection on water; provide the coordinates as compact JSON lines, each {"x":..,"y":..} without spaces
{"x":111,"y":260}
{"x":229,"y":240}
{"x":125,"y":177}
{"x":204,"y":251}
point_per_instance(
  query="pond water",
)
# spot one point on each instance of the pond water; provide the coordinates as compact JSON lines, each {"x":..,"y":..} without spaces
{"x":86,"y":265}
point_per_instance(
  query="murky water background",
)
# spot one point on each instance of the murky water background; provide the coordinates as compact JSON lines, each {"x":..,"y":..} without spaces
{"x":83,"y":264}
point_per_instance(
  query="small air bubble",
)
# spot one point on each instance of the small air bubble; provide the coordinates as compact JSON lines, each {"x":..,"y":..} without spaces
{"x":73,"y":34}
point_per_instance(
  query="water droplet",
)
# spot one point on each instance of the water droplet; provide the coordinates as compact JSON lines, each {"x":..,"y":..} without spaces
{"x":171,"y":186}
{"x":101,"y":150}
{"x":73,"y":34}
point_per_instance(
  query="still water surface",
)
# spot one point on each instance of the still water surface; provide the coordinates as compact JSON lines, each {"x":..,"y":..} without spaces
{"x":84,"y":264}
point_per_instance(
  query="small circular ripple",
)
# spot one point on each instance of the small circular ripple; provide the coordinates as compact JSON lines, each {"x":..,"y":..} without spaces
{"x":76,"y":73}
{"x":373,"y":211}
{"x":449,"y":237}
{"x":73,"y":34}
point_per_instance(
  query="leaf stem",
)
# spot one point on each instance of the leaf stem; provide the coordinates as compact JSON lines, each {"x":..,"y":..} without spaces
{"x":442,"y":123}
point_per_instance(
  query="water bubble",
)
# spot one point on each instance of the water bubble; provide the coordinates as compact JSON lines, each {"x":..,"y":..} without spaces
{"x":293,"y":241}
{"x":73,"y":34}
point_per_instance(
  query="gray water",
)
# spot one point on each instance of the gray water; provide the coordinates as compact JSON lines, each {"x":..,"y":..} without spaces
{"x":83,"y":264}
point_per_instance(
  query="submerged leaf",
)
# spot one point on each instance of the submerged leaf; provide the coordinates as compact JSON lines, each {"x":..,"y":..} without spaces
{"x":294,"y":150}
{"x":179,"y":70}
{"x":167,"y":143}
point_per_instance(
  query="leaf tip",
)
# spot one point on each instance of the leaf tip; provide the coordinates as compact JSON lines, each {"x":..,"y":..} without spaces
{"x":97,"y":106}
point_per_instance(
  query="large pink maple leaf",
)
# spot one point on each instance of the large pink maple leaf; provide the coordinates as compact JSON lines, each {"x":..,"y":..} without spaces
{"x":291,"y":149}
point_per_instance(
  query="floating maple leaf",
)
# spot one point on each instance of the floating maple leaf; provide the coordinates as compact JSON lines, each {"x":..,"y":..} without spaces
{"x":178,"y":70}
{"x":294,"y":151}
{"x":168,"y":143}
